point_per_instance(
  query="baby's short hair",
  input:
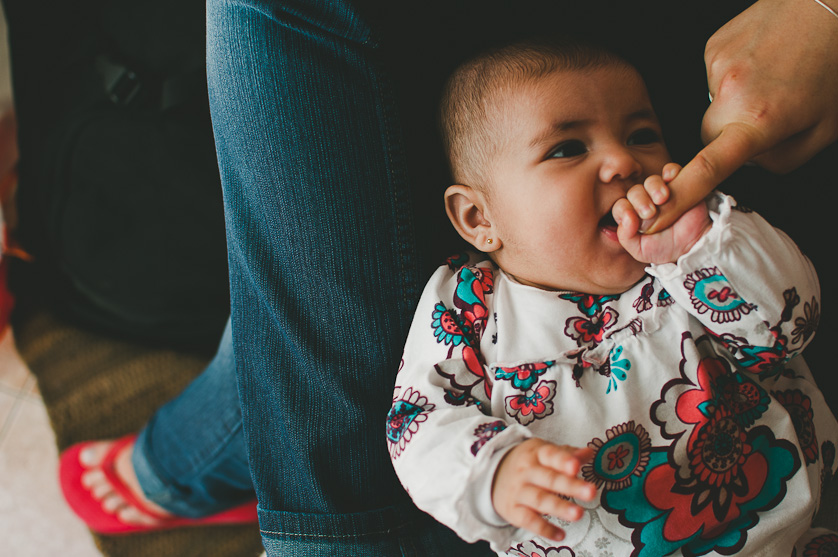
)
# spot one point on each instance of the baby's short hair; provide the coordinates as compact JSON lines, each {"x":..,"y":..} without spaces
{"x":472,"y":92}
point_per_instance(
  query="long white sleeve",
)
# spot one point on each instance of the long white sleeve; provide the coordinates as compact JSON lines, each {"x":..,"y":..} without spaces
{"x":748,"y":284}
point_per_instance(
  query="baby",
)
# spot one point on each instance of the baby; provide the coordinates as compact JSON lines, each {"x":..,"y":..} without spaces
{"x":580,"y":388}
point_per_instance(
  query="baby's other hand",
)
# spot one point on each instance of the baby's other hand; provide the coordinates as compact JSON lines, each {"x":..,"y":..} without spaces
{"x":640,"y":204}
{"x":536,"y":478}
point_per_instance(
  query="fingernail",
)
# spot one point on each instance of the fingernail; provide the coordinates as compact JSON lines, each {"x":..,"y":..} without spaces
{"x":646,"y":212}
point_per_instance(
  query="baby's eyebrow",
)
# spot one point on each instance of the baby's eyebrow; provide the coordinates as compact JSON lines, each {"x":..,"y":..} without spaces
{"x":556,"y":128}
{"x":642,"y":114}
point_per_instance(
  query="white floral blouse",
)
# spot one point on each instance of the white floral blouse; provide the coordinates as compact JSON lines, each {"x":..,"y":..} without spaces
{"x":710,"y":436}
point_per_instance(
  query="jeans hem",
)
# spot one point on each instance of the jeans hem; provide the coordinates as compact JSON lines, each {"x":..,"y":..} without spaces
{"x":378,"y":522}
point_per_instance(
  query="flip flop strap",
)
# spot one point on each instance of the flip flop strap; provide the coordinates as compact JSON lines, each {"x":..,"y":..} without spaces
{"x":108,"y":467}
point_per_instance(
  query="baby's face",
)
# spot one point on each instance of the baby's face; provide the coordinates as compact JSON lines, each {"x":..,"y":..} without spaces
{"x":574,"y":142}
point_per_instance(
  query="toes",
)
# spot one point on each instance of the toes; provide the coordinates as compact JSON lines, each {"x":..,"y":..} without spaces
{"x":92,"y":478}
{"x":112,"y":503}
{"x":93,"y":454}
{"x":98,"y":484}
{"x":132,"y":516}
{"x":100,"y":491}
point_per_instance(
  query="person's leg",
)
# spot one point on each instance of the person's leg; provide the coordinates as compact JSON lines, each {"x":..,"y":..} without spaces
{"x":189,"y":460}
{"x":324,"y":270}
{"x":190,"y":457}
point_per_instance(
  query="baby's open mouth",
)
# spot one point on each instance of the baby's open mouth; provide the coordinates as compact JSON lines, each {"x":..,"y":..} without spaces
{"x":607,"y":221}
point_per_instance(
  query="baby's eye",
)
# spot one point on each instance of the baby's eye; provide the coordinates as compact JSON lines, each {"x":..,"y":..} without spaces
{"x":572,"y":148}
{"x":645,"y":136}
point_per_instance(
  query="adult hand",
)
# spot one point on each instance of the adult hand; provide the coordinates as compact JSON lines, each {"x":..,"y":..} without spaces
{"x":773,"y":74}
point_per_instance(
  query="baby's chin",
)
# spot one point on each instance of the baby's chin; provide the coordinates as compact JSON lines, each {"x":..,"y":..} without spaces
{"x":622,"y":282}
{"x":596,"y":286}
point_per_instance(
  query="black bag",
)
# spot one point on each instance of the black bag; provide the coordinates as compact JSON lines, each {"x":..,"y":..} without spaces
{"x":119,"y":195}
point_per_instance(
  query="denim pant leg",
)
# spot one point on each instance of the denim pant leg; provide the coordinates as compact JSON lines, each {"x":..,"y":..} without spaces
{"x":324,"y":273}
{"x":190,"y":458}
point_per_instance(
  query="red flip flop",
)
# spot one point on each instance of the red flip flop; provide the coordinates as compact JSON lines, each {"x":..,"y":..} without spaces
{"x":81,"y":501}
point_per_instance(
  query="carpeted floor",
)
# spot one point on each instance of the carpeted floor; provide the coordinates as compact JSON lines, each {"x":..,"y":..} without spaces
{"x":95,"y":387}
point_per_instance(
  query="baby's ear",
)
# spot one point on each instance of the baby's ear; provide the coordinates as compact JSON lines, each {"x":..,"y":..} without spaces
{"x":466,"y":207}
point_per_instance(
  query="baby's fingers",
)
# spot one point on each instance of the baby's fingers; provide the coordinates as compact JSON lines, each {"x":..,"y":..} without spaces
{"x":657,"y":190}
{"x":628,"y":222}
{"x":534,"y":522}
{"x":566,"y":485}
{"x":641,"y":202}
{"x":646,"y":197}
{"x":670,"y":171}
{"x":548,"y":502}
{"x":562,"y":458}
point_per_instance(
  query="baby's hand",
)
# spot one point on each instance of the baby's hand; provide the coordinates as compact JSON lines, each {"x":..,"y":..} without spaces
{"x":641,"y":204}
{"x":535,"y":479}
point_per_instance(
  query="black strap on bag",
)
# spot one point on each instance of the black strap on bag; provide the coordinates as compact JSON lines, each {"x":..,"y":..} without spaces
{"x":124,"y":85}
{"x":119,"y":194}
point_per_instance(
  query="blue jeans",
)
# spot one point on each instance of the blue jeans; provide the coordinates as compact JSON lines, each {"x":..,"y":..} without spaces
{"x":190,"y":458}
{"x":325,"y":269}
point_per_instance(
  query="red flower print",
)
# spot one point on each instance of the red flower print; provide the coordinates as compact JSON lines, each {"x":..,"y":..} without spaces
{"x":620,"y":457}
{"x":706,"y":490}
{"x":523,"y":376}
{"x":719,"y":450}
{"x":822,"y":546}
{"x":615,"y":457}
{"x":473,"y":284}
{"x":711,"y":291}
{"x":722,"y":295}
{"x":589,"y":332}
{"x":462,"y":381}
{"x":533,"y":405}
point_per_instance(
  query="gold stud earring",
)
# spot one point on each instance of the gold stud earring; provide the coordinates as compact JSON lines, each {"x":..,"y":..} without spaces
{"x":489,"y":241}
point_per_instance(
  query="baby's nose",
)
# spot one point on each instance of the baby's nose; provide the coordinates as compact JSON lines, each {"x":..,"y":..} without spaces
{"x":620,"y":165}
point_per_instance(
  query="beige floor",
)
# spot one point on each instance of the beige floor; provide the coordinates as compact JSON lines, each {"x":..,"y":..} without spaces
{"x":34,"y":521}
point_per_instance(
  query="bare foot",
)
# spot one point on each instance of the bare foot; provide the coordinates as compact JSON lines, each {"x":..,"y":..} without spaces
{"x":102,"y":490}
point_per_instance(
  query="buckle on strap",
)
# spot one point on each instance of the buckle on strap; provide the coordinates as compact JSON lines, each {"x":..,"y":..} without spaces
{"x":122,"y":84}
